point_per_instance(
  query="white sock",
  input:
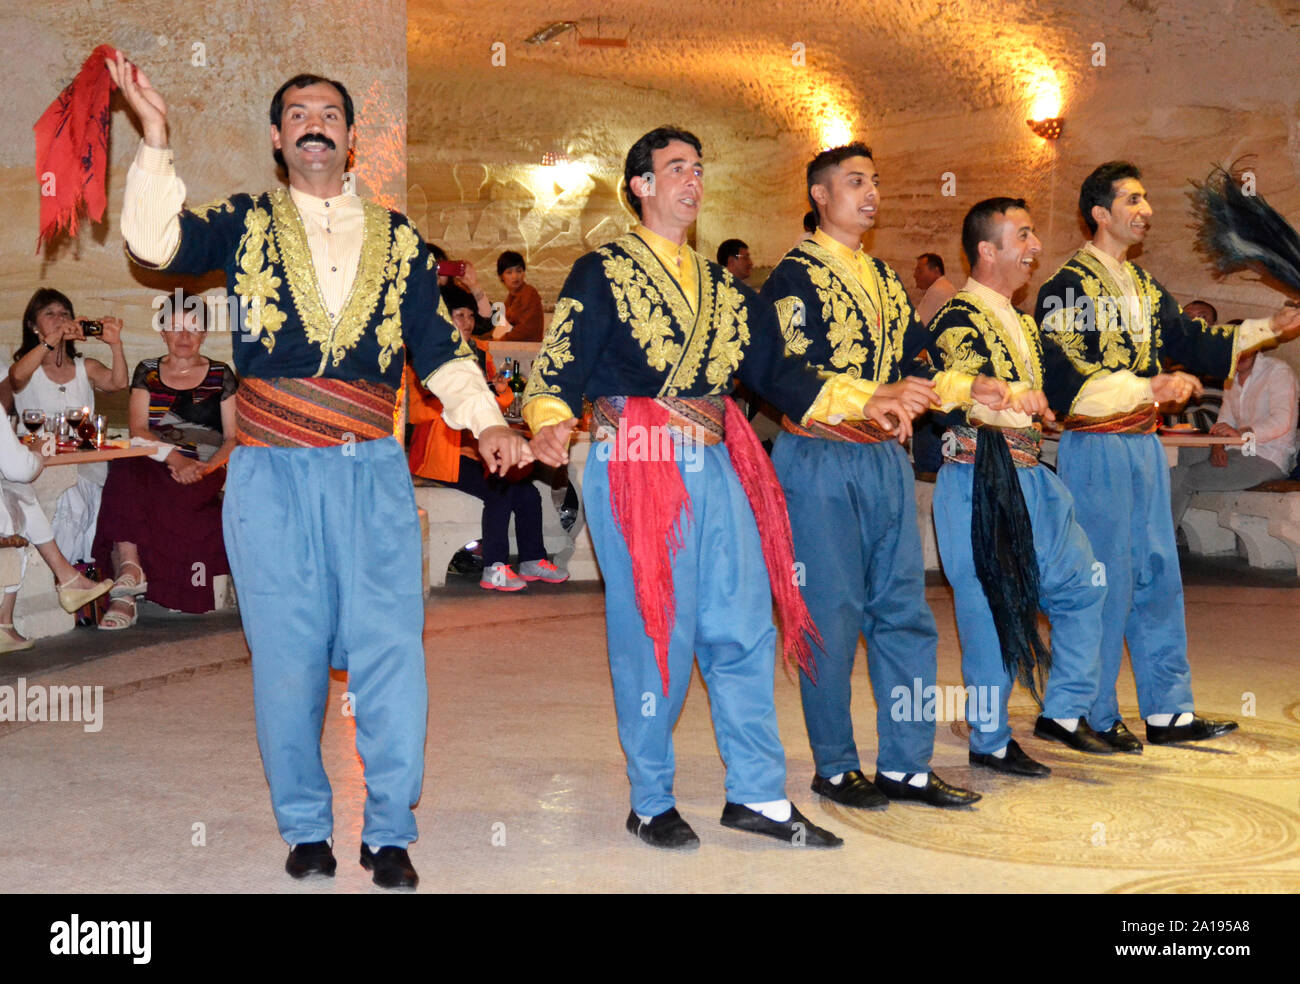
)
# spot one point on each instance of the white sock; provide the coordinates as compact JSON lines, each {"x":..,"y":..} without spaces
{"x":778,"y":810}
{"x":1069,"y":724}
{"x":1164,"y":720}
{"x":919,"y":780}
{"x":836,"y":779}
{"x":643,"y":818}
{"x":1001,"y":753}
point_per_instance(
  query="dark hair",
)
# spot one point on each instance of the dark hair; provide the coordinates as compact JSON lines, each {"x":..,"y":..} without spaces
{"x":810,"y":222}
{"x":301,"y":82}
{"x":455,"y":296}
{"x":439,"y":254}
{"x":509,"y":259}
{"x":43,"y":297}
{"x":1099,"y":188}
{"x":980,"y":224}
{"x":640,"y":158}
{"x":933,"y":260}
{"x":821,"y":165}
{"x":1214,"y":312}
{"x":730,"y":248}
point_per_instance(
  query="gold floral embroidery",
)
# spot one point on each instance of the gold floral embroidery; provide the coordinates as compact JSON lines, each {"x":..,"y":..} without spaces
{"x":959,"y":354}
{"x":556,"y":351}
{"x":791,"y":316}
{"x":205,"y":210}
{"x":337,"y":339}
{"x":256,"y":282}
{"x":839,"y":314}
{"x":640,"y":303}
{"x":731,"y":335}
{"x":405,"y":248}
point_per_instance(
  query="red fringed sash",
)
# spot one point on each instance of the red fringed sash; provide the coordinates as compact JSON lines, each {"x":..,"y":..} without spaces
{"x":647,"y":496}
{"x":72,"y":148}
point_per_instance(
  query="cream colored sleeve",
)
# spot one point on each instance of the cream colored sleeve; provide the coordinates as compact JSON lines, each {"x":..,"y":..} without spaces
{"x":17,"y":463}
{"x":1112,"y":392}
{"x":981,"y":414}
{"x":467,"y":403}
{"x":152,"y":205}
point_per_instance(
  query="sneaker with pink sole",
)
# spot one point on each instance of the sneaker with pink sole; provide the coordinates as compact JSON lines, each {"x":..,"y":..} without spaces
{"x":499,"y":577}
{"x":542,"y":570}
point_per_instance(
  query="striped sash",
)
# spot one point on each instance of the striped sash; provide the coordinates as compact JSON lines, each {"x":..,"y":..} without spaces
{"x":312,"y":413}
{"x":1024,"y":443}
{"x":1139,"y":420}
{"x":853,"y":431}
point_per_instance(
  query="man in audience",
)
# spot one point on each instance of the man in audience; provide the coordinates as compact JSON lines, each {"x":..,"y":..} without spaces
{"x":1259,"y":405}
{"x":1201,"y":409}
{"x":937,"y":290}
{"x":734,"y":255}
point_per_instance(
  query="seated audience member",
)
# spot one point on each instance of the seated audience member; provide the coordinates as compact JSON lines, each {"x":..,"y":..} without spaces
{"x":937,"y":289}
{"x":20,"y":466}
{"x":468,"y":281}
{"x":49,"y":375}
{"x":160,"y":519}
{"x":451,"y":458}
{"x":523,"y":303}
{"x":1261,"y":401}
{"x":1201,"y":411}
{"x":734,"y":255}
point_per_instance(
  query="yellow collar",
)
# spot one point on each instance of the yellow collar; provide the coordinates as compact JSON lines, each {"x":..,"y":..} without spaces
{"x":837,"y":248}
{"x":674,"y":255}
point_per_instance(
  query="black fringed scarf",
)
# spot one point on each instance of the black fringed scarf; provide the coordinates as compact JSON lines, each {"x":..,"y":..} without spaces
{"x":1240,"y":230}
{"x":1005,"y":563}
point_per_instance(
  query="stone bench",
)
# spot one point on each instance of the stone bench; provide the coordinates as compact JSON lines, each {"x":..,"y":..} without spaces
{"x":454,"y":518}
{"x":1262,"y":524}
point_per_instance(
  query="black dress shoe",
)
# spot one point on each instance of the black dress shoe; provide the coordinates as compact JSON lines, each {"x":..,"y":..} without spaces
{"x":798,"y":830}
{"x":1198,"y":729}
{"x":1120,"y":738}
{"x":1081,"y":739}
{"x":936,"y":792}
{"x":1014,"y":763}
{"x":853,"y":790}
{"x":391,"y":865}
{"x":667,"y":830}
{"x":314,"y":858}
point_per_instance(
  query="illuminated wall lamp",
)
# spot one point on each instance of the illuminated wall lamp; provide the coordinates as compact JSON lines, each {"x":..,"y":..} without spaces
{"x":1049,"y":129}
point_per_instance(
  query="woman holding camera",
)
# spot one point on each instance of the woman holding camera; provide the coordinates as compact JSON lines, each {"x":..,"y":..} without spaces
{"x":49,"y":375}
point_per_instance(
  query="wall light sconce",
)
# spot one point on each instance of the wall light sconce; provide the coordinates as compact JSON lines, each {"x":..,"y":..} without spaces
{"x":1048,"y":129}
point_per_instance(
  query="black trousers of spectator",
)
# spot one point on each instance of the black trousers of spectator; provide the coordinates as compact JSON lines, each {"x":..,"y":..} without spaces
{"x":501,"y":498}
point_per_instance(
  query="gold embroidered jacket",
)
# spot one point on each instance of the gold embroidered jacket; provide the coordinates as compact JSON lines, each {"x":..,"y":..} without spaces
{"x":285,"y":331}
{"x":622,"y":327}
{"x":827,"y":316}
{"x":1089,"y":327}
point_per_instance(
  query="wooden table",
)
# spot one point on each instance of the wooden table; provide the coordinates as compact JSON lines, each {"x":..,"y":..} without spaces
{"x":103,"y":454}
{"x":1173,"y":440}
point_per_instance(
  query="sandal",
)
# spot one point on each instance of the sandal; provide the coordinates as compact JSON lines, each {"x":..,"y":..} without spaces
{"x":117,"y":619}
{"x":70,"y":598}
{"x":8,"y":644}
{"x":127,"y":584}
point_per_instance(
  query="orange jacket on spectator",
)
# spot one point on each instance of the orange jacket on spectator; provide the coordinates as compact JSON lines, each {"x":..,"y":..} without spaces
{"x":436,"y":450}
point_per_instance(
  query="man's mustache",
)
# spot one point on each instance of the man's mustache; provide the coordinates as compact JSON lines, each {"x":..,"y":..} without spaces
{"x":315,"y":138}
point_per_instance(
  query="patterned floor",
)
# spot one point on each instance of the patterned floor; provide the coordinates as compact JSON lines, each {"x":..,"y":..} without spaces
{"x":525,"y":789}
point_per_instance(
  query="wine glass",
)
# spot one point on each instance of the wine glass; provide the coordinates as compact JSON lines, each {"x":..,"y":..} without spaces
{"x":33,"y":420}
